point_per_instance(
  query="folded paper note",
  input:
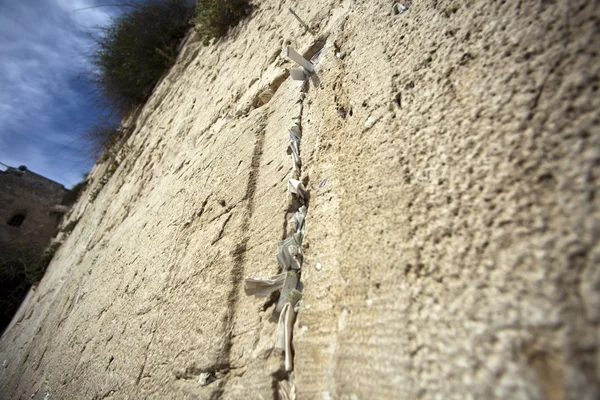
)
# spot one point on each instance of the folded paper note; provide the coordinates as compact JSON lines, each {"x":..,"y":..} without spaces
{"x":296,"y":162}
{"x":263,"y":287}
{"x":290,"y":283}
{"x":290,"y":252}
{"x":296,"y":133}
{"x":298,"y":219}
{"x":294,"y":147}
{"x":296,"y":187}
{"x":298,"y":59}
{"x":298,"y":73}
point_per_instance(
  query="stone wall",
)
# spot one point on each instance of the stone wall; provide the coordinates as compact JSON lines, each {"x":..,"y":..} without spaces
{"x":36,"y":197}
{"x":451,"y":155}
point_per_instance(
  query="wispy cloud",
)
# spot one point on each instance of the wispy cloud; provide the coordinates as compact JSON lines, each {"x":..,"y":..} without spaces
{"x":43,"y":107}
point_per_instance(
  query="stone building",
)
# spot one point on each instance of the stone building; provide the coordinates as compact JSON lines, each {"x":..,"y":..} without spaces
{"x":30,"y":211}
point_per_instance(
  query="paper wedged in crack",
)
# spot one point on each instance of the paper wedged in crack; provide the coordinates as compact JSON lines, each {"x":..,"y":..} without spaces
{"x":293,"y":147}
{"x":299,"y":218}
{"x":296,"y":134}
{"x":298,"y":73}
{"x":263,"y":286}
{"x":296,"y":187}
{"x":294,"y":151}
{"x":290,"y":283}
{"x":290,"y":252}
{"x":296,"y":162}
{"x":285,"y":326}
{"x":286,"y":390}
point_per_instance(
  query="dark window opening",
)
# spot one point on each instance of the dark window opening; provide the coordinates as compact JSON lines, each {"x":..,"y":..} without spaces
{"x":17,"y":220}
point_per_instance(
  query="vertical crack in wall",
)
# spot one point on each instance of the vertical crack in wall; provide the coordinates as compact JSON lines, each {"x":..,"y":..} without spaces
{"x":283,"y":383}
{"x":283,"y":380}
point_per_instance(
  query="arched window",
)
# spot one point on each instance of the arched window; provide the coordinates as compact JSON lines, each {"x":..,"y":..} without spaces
{"x":16,"y":220}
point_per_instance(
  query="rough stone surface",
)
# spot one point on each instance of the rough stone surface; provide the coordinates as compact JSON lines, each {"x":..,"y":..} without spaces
{"x":35,"y":197}
{"x":457,"y":237}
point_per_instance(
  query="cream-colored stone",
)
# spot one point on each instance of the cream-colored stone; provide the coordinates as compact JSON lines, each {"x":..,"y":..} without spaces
{"x":459,"y":236}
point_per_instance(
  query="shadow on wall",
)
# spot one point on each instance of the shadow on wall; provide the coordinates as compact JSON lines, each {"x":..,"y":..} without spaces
{"x":19,"y":271}
{"x":13,"y":289}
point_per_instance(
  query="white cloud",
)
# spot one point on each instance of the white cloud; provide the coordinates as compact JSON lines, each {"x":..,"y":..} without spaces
{"x":85,"y":12}
{"x":43,"y":46}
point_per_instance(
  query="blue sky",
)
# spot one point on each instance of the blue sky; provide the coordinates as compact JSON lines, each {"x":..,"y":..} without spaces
{"x":44,"y":107}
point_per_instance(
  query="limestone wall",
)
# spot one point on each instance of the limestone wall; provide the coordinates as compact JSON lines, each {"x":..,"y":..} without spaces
{"x":451,"y":156}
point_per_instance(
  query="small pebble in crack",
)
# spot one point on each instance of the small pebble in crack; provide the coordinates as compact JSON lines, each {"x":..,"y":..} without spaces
{"x":370,"y":122}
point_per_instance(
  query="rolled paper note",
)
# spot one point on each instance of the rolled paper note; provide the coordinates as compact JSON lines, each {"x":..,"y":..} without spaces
{"x":285,"y":327}
{"x":286,"y":390}
{"x":296,"y":162}
{"x":266,"y":96}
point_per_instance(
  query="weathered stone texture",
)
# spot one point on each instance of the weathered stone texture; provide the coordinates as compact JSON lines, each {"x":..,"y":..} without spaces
{"x":457,"y":231}
{"x":25,"y":192}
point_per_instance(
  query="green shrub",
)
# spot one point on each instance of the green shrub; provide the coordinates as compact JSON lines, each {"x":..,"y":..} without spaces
{"x":100,"y":137}
{"x":215,"y":17}
{"x":136,"y":49}
{"x":68,"y":228}
{"x":35,"y":271}
{"x":74,"y":193}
